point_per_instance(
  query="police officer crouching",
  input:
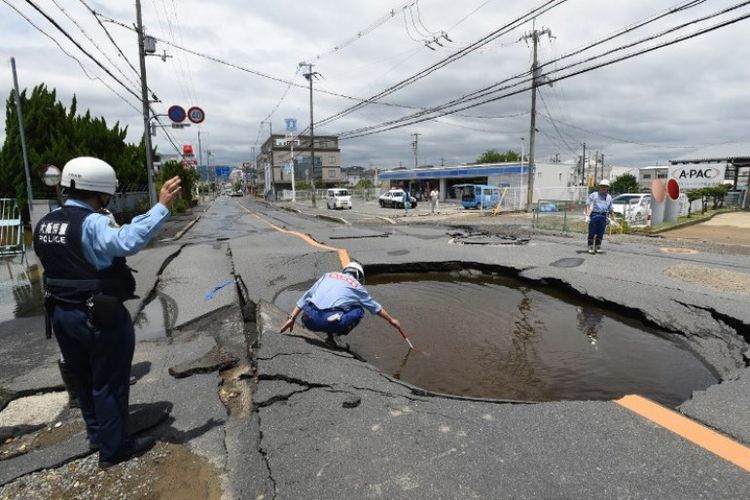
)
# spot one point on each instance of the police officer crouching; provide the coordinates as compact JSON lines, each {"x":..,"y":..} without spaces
{"x":336,"y":303}
{"x":86,"y":281}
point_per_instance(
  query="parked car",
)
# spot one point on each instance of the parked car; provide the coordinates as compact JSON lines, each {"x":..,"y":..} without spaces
{"x":338,"y":198}
{"x":395,"y":199}
{"x":633,"y":207}
{"x":547,"y":206}
{"x":235,"y":193}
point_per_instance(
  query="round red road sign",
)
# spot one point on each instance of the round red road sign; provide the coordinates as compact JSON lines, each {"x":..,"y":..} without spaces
{"x":196,"y":114}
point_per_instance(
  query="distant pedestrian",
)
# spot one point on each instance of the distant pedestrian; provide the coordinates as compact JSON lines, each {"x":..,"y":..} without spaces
{"x":597,"y":211}
{"x":407,"y":202}
{"x":336,"y":303}
{"x":434,"y":196}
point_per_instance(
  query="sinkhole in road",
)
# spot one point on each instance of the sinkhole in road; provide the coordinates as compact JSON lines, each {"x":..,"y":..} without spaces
{"x":491,"y":336}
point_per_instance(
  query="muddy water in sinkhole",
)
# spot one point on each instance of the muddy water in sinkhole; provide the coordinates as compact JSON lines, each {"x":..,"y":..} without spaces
{"x":495,"y":337}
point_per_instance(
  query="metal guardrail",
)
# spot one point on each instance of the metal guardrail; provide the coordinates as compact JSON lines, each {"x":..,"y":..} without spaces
{"x":11,"y":228}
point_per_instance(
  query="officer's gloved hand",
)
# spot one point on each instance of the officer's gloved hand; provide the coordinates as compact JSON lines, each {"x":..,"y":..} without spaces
{"x":588,"y":219}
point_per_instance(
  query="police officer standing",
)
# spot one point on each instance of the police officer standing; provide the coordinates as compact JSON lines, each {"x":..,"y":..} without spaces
{"x":86,"y":281}
{"x":598,"y":209}
{"x":336,"y":303}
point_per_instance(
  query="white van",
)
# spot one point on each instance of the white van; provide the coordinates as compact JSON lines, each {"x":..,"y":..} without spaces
{"x":338,"y":198}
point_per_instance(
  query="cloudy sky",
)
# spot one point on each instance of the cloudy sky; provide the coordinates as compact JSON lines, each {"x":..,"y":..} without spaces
{"x":640,"y":111}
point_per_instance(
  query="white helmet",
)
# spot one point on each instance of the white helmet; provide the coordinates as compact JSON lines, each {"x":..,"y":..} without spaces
{"x":355,"y":269}
{"x":89,"y":174}
{"x":604,"y":182}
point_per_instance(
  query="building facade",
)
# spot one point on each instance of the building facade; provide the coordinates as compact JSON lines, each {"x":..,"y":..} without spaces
{"x":273,"y":162}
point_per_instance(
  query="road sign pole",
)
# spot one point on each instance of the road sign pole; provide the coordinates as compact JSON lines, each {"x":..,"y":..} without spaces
{"x":294,"y":189}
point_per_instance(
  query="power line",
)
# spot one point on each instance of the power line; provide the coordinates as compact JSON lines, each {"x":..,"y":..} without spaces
{"x":506,"y":28}
{"x":78,"y":45}
{"x":80,"y":28}
{"x":500,"y":86}
{"x":495,"y":88}
{"x":40,"y":30}
{"x":544,"y":103}
{"x":616,"y":139}
{"x":366,"y":31}
{"x":117,"y":47}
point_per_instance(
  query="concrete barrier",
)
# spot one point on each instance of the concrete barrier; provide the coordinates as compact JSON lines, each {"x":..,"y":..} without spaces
{"x":658,"y":194}
{"x":672,"y":201}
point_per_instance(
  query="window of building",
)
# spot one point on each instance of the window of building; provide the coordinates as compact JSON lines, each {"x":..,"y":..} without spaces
{"x":538,"y":175}
{"x":661,"y":175}
{"x":331,"y":173}
{"x":646,"y":176}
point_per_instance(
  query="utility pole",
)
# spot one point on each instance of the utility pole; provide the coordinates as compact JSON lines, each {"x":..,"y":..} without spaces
{"x":583,"y":166}
{"x":415,"y":147}
{"x":310,"y":75}
{"x":596,"y":167}
{"x":200,"y":151}
{"x":268,"y":165}
{"x":24,"y":151}
{"x":601,"y":158}
{"x":534,"y":36}
{"x":145,"y":104}
{"x":520,"y":176}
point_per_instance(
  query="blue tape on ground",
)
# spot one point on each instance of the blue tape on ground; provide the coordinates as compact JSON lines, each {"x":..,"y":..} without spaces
{"x":210,"y":295}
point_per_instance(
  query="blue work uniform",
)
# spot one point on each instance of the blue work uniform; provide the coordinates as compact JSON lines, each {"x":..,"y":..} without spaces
{"x":600,"y":205}
{"x":335,"y":304}
{"x":83,"y":255}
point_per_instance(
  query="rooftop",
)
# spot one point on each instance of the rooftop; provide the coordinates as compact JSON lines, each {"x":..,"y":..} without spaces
{"x":719,"y":152}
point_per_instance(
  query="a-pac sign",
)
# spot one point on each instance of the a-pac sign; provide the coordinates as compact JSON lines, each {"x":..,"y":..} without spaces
{"x":698,"y":175}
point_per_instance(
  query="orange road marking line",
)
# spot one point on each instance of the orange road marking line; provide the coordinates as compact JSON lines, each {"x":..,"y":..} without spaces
{"x":341,"y":252}
{"x":701,"y":435}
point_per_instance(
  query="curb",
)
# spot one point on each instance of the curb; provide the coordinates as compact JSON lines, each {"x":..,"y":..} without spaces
{"x":691,"y":222}
{"x":182,"y":232}
{"x":331,"y":218}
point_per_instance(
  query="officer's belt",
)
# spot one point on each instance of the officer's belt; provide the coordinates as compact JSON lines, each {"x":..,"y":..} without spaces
{"x":76,"y":285}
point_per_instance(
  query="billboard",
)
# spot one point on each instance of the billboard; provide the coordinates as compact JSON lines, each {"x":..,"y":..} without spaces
{"x":698,"y":175}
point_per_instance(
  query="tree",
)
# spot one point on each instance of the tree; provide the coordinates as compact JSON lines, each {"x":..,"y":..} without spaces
{"x":492,"y":156}
{"x":188,"y":176}
{"x":364,"y":184}
{"x":55,"y":135}
{"x":626,"y":183}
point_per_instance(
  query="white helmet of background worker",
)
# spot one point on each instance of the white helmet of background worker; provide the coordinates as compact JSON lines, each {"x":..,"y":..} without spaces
{"x":355,"y":269}
{"x":89,"y":174}
{"x":604,"y":182}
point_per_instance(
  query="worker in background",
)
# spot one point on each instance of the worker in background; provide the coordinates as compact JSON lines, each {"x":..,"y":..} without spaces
{"x":86,"y":281}
{"x":597,"y":211}
{"x":336,"y":303}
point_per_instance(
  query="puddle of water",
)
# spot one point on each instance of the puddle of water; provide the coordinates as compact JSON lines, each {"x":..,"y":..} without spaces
{"x":151,"y":323}
{"x":484,"y":336}
{"x":20,"y":287}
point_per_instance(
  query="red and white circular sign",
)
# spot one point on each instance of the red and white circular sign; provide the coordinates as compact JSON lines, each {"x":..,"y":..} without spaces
{"x":196,"y":114}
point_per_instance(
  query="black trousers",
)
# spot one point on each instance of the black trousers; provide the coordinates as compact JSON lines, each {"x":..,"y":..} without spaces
{"x":100,"y":363}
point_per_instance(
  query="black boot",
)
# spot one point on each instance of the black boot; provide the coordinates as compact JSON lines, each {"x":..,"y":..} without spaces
{"x":69,"y":383}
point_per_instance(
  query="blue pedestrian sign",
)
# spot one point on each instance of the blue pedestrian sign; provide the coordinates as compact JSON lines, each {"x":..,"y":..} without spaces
{"x":291,"y":125}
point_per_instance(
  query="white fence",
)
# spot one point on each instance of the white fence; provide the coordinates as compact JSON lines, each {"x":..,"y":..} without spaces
{"x":11,"y":228}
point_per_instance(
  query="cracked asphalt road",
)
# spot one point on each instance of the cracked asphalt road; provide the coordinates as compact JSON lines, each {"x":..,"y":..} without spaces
{"x":328,"y":425}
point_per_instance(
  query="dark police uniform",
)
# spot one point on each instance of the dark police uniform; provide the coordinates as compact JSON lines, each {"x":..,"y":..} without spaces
{"x":86,"y":281}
